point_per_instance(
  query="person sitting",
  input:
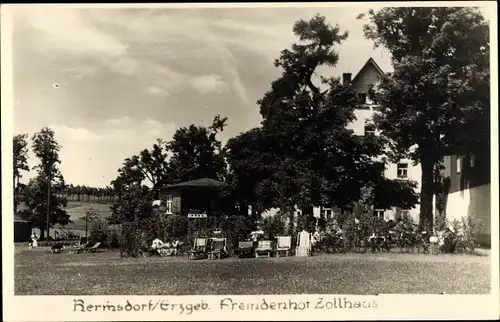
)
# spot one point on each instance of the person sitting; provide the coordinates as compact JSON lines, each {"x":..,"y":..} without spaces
{"x":156,"y":245}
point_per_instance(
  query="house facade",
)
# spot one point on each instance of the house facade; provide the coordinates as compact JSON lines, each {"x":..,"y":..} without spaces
{"x":467,"y":190}
{"x":369,"y":75}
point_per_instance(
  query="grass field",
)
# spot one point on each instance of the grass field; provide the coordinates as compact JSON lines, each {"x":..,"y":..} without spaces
{"x":76,"y":210}
{"x":40,"y":273}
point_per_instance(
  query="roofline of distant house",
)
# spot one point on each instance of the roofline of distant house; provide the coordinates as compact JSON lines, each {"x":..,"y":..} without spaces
{"x":370,"y":61}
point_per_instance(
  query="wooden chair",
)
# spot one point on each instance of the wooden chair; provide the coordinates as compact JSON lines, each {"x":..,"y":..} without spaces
{"x":264,"y":247}
{"x":199,"y":248}
{"x":284,"y":244}
{"x":218,"y":248}
{"x":244,"y":249}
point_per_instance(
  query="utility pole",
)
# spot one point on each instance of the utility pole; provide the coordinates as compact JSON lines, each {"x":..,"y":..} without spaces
{"x":86,"y":224}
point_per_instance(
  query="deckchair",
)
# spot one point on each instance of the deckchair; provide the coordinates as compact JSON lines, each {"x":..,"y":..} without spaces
{"x":284,"y":244}
{"x":264,"y":247}
{"x":218,"y":248}
{"x":86,"y":248}
{"x":199,"y":248}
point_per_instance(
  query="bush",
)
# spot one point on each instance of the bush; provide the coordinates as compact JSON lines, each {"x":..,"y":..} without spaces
{"x":471,"y":226}
{"x":274,"y":225}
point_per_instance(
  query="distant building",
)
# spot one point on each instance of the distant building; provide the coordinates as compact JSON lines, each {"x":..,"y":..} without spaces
{"x":369,"y":75}
{"x":22,"y":230}
{"x":468,"y":190}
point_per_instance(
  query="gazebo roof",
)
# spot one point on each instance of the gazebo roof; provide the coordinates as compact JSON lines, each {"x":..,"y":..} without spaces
{"x":19,"y":219}
{"x":204,"y":183}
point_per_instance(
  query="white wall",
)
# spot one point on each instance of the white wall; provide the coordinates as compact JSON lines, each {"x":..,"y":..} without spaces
{"x":476,"y":201}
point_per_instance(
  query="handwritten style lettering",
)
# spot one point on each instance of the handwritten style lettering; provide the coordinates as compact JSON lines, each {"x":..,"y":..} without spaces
{"x":79,"y":305}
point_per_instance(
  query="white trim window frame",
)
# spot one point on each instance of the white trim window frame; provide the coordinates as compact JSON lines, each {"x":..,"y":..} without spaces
{"x":169,"y":203}
{"x":402,"y":170}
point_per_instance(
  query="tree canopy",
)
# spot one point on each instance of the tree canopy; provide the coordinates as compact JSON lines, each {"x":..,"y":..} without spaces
{"x":20,"y":163}
{"x":45,"y":194}
{"x":438,"y":94}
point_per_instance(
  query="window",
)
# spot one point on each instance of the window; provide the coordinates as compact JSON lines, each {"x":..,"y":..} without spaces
{"x":404,"y":214}
{"x":327,"y":213}
{"x":402,"y":170}
{"x":459,"y":164}
{"x":379,"y":213}
{"x":472,"y":160}
{"x":362,"y":98}
{"x":369,"y":129}
{"x":169,"y":204}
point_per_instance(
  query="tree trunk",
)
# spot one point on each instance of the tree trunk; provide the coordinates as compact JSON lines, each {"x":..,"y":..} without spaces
{"x":16,"y":197}
{"x":426,"y":218}
{"x":291,"y":221}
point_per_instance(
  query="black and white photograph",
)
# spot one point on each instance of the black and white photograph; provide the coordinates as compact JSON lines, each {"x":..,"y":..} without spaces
{"x":251,"y":150}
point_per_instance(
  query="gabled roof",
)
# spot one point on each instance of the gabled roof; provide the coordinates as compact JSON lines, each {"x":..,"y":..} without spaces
{"x":198,"y":183}
{"x":371,"y":62}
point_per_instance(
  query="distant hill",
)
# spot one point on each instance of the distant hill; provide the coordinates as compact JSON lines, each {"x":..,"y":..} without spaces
{"x":76,"y":210}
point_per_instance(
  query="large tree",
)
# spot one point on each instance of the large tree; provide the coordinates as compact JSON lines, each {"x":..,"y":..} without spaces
{"x":46,"y":196}
{"x":197,"y":153}
{"x":20,"y":163}
{"x":304,"y":154}
{"x":34,"y":196}
{"x":437,"y":100}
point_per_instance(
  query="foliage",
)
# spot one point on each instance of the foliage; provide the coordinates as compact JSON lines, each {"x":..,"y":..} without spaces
{"x":395,"y":193}
{"x":35,"y":198}
{"x":44,"y":194}
{"x":274,"y":225}
{"x":20,"y":163}
{"x":438,"y":94}
{"x":99,"y":232}
{"x":196,"y":152}
{"x":132,"y":211}
{"x":471,"y":227}
{"x":303,"y":154}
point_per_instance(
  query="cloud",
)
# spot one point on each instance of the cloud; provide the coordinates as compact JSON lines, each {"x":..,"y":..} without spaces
{"x":156,"y":90}
{"x":92,"y":156}
{"x":63,"y":29}
{"x":209,"y":84}
{"x":135,"y":75}
{"x":118,"y":121}
{"x":76,"y":134}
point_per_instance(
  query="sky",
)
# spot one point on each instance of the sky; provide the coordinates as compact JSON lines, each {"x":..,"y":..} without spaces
{"x":109,"y":82}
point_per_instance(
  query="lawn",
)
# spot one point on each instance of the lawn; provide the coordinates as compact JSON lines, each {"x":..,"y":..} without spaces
{"x":40,"y":273}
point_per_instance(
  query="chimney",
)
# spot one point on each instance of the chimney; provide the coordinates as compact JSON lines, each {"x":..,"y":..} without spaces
{"x":346,"y":78}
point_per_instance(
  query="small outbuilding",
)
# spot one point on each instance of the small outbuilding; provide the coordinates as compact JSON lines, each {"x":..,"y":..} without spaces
{"x":22,"y":230}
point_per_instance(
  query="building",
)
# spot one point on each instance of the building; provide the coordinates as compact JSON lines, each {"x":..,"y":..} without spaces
{"x":197,"y":198}
{"x":367,"y":76}
{"x":467,"y":190}
{"x":22,"y":230}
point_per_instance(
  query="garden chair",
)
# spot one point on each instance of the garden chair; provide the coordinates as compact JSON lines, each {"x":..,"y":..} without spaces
{"x":284,"y":244}
{"x":304,"y":244}
{"x":218,"y":248}
{"x":263,"y":249}
{"x":199,"y":248}
{"x":86,"y":248}
{"x":244,"y":249}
